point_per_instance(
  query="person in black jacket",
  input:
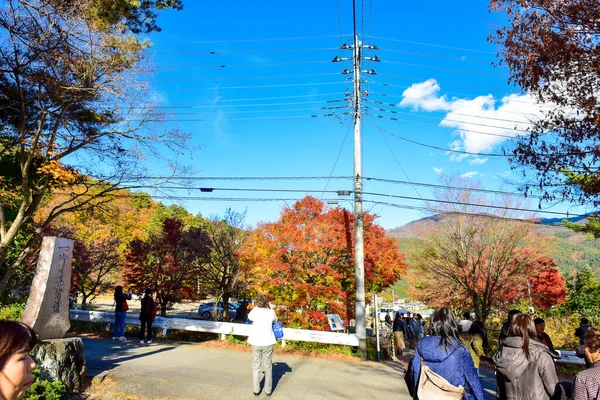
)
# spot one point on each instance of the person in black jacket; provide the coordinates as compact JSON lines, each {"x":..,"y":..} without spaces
{"x":542,"y":336}
{"x":399,"y":329}
{"x":147,"y":314}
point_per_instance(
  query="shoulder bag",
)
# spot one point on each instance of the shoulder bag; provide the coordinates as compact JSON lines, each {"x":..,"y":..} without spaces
{"x":278,"y":330}
{"x":435,"y":386}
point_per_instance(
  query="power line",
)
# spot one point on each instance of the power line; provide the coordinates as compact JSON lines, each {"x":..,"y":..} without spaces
{"x":339,"y":192}
{"x":462,"y":105}
{"x":265,"y":98}
{"x":337,"y":159}
{"x":251,"y":178}
{"x":251,"y":40}
{"x":466,"y":71}
{"x":240,"y":65}
{"x":437,"y":147}
{"x":434,"y":45}
{"x":219,"y":52}
{"x":438,"y":186}
{"x":251,"y":87}
{"x":415,"y":53}
{"x":238,"y":78}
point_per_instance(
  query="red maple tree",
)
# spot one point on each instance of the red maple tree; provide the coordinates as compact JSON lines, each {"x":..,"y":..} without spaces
{"x":305,"y":261}
{"x":167,"y":262}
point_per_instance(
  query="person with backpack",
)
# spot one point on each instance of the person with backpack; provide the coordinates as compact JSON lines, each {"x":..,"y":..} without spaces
{"x":526,"y":365}
{"x":121,"y":308}
{"x":262,"y":340}
{"x":147,"y":316}
{"x":441,"y":359}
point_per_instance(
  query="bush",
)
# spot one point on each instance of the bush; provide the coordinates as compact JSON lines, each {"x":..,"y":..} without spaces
{"x":12,"y":312}
{"x":42,"y":389}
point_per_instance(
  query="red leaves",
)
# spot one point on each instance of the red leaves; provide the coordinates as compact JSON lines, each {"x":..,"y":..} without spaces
{"x":305,"y":261}
{"x":167,"y":262}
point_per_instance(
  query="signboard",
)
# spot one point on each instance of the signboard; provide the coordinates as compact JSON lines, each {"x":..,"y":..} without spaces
{"x":335,"y":322}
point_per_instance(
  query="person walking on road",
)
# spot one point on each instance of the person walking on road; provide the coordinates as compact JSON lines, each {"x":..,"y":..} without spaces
{"x":444,"y":355}
{"x":147,"y":315}
{"x":262,"y":340}
{"x":475,"y":340}
{"x":121,"y":308}
{"x":587,"y":383}
{"x":416,"y":330}
{"x":399,"y":329}
{"x":526,"y":365}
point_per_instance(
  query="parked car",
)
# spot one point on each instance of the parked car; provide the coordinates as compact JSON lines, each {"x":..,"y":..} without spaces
{"x":206,"y":310}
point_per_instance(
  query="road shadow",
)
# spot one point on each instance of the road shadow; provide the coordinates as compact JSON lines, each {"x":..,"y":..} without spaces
{"x":279,"y":370}
{"x":102,"y":355}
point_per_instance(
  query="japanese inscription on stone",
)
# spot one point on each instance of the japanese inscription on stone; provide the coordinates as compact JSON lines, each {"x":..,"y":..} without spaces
{"x":47,"y":309}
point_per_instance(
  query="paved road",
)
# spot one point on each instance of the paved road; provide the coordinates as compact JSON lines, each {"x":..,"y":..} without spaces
{"x":187,"y":371}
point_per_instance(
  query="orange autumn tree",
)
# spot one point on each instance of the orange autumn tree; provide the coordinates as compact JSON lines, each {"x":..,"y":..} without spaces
{"x":479,"y":253}
{"x":305,"y":261}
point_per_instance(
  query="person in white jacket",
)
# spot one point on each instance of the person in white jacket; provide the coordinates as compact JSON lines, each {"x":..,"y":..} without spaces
{"x":262,"y":340}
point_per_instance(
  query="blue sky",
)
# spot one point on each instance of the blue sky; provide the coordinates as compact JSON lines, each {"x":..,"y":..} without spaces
{"x":256,"y":106}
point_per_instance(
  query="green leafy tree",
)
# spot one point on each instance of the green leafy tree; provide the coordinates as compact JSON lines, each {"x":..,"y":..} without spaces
{"x":220,"y":275}
{"x":584,"y":292}
{"x":68,"y":92}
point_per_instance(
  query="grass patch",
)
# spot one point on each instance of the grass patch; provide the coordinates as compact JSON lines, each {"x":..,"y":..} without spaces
{"x":568,"y":371}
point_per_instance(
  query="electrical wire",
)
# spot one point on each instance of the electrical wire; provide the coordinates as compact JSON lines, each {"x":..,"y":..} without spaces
{"x":250,"y":40}
{"x":163,"y":67}
{"x":434,"y":45}
{"x":336,"y":160}
{"x":219,"y":52}
{"x":238,"y":78}
{"x":466,"y":71}
{"x":250,"y":87}
{"x":436,"y":147}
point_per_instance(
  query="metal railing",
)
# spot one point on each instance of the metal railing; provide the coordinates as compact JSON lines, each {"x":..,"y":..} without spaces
{"x":222,"y":328}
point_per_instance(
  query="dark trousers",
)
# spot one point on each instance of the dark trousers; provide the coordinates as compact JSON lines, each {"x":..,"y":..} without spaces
{"x":146,"y":323}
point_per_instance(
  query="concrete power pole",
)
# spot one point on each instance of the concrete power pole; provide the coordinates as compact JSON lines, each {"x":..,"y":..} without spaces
{"x":359,"y":251}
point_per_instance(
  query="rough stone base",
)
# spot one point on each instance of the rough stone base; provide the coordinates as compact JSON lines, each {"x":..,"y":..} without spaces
{"x":62,"y":360}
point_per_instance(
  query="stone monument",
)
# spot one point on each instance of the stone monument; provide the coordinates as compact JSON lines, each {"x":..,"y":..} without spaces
{"x":47,"y":312}
{"x":47,"y":309}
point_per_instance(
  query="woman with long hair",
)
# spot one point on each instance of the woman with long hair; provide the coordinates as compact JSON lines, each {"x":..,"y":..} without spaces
{"x":444,"y":355}
{"x":121,"y":308}
{"x":147,"y":314}
{"x":262,"y":340}
{"x":526,"y":366}
{"x":16,"y":341}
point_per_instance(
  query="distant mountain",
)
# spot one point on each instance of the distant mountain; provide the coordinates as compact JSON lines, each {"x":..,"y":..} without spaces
{"x":570,"y":250}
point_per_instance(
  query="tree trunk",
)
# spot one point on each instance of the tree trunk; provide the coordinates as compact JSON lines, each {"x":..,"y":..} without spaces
{"x":13,"y":267}
{"x":83,"y":301}
{"x":226,"y":307}
{"x":163,"y":310}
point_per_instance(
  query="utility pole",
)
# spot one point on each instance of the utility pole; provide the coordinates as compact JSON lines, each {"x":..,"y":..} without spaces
{"x":359,"y":252}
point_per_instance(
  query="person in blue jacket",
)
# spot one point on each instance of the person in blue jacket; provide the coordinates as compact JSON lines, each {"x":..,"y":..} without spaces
{"x":442,"y":352}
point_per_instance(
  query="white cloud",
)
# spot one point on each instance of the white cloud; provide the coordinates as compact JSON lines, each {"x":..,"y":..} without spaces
{"x":468,"y":175}
{"x":424,"y":96}
{"x":478,"y":161}
{"x":481,"y":123}
{"x":438,"y":170}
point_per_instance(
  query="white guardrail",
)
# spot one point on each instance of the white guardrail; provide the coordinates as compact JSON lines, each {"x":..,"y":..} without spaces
{"x":223,"y":328}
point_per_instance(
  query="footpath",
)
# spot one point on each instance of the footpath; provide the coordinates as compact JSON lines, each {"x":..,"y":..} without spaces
{"x":189,"y":371}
